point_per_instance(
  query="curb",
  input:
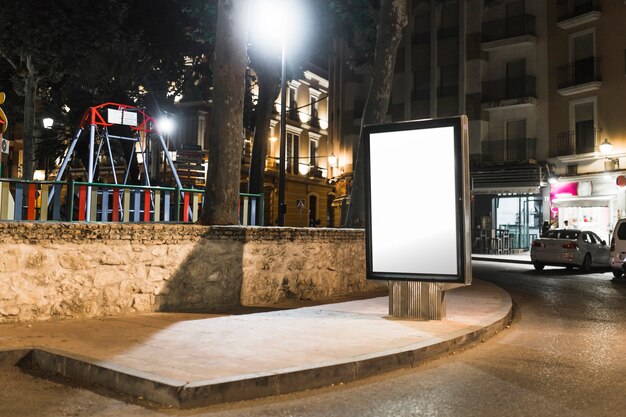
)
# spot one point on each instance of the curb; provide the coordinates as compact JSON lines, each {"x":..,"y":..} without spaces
{"x":181,"y":394}
{"x":502,"y":260}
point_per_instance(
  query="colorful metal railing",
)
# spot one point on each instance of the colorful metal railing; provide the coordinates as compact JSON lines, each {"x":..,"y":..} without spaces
{"x":67,"y":201}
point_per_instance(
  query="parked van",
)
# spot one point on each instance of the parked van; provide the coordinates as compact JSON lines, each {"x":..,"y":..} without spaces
{"x":618,"y":248}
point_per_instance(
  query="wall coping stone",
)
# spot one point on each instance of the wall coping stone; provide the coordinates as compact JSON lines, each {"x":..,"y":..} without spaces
{"x":50,"y":232}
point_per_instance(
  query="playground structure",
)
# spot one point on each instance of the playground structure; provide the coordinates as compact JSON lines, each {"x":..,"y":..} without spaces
{"x":141,"y":130}
{"x":94,"y":201}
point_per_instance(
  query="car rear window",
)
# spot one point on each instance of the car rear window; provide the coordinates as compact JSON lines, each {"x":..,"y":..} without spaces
{"x":563,"y":234}
{"x":621,"y":232}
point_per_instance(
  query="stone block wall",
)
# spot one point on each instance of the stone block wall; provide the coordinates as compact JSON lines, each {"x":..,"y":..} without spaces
{"x":76,"y":270}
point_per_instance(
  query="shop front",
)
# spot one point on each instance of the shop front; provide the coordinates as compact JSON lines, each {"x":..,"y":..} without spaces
{"x":592,"y":203}
{"x":512,"y":220}
{"x":508,"y":208}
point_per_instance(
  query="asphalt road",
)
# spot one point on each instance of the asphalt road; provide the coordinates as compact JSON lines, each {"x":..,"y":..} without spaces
{"x":564,"y":355}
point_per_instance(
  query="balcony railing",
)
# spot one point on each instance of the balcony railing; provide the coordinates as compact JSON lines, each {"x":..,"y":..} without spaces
{"x":570,"y":143}
{"x":448,"y":32}
{"x":579,"y":72}
{"x":567,"y":9}
{"x":509,"y":150}
{"x":448,"y":91}
{"x":509,"y":88}
{"x":508,"y":27}
{"x":80,"y":201}
{"x":422,"y":94}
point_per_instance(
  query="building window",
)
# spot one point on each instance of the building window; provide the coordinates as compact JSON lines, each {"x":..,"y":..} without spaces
{"x":313,"y":147}
{"x":516,"y":79}
{"x":448,"y":81}
{"x":315,"y":120}
{"x":584,"y":127}
{"x":449,"y":26}
{"x":293,"y":151}
{"x":293,"y":103}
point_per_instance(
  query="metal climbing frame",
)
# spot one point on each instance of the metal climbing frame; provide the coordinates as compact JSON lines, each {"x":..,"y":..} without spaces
{"x":141,"y":127}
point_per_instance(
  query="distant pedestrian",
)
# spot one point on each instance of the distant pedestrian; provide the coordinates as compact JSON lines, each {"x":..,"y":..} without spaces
{"x":565,"y":224}
{"x":545,"y":228}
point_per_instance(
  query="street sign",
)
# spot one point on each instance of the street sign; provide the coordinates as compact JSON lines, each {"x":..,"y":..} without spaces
{"x":300,"y":204}
{"x":5,"y":144}
{"x":4,"y":122}
{"x":417,"y":201}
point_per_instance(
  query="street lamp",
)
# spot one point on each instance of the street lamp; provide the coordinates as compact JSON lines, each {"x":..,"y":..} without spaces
{"x":286,"y":24}
{"x":606,"y":148}
{"x":165,"y":126}
{"x":48,"y":122}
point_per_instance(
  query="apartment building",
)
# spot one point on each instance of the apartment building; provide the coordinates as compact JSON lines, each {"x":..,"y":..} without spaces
{"x":487,"y":60}
{"x":587,"y":87}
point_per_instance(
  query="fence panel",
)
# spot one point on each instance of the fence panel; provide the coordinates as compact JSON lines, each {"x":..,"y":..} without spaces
{"x":68,"y":201}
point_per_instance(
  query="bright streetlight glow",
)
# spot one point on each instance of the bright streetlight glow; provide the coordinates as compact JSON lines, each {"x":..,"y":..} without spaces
{"x":332,"y":160}
{"x":47,"y":122}
{"x":275,"y":21}
{"x":166,"y":125}
{"x":606,"y":147}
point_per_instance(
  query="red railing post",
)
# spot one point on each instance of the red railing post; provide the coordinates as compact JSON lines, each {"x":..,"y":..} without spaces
{"x":32,"y":203}
{"x":186,"y":207}
{"x":115,"y":214}
{"x":82,"y":202}
{"x":146,"y":205}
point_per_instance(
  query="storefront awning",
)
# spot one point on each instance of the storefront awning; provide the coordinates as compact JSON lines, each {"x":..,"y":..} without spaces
{"x":507,"y":190}
{"x":592,"y":201}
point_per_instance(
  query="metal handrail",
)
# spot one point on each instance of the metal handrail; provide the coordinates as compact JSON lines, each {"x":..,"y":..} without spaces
{"x":566,"y":9}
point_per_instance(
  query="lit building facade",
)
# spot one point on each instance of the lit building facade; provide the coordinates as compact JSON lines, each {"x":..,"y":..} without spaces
{"x":311,"y":166}
{"x":587,"y":85}
{"x":487,"y":60}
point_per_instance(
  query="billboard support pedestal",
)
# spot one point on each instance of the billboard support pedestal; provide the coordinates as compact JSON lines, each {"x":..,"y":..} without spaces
{"x":417,"y":300}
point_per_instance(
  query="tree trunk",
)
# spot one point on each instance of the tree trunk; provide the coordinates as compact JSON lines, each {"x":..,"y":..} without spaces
{"x":393,"y":19}
{"x":268,"y":77}
{"x":221,"y":198}
{"x":30,"y":97}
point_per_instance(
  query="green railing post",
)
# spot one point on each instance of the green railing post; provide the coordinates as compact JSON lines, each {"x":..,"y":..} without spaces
{"x":69,"y":198}
{"x":261,"y":213}
{"x":177,"y":197}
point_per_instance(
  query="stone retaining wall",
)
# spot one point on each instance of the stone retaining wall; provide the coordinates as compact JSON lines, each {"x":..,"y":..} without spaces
{"x":76,"y":270}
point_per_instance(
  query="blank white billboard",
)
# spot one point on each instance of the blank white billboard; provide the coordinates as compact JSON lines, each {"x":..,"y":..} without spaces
{"x":415,"y":182}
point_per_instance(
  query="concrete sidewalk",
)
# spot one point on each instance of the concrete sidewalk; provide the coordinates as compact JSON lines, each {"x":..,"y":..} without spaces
{"x":189,"y":360}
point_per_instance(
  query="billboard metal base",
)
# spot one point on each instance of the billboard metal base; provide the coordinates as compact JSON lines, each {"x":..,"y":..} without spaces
{"x":417,"y":300}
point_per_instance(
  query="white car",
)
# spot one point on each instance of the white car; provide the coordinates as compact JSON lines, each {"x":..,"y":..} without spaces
{"x":618,"y":248}
{"x":569,"y":248}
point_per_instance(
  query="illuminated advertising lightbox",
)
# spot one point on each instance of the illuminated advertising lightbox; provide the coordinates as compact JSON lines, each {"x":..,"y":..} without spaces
{"x":417,"y":201}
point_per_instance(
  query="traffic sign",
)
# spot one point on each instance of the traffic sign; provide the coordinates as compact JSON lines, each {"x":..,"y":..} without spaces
{"x":4,"y":123}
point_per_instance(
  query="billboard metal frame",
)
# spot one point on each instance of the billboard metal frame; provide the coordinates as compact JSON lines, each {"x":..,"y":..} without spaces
{"x":463,"y":274}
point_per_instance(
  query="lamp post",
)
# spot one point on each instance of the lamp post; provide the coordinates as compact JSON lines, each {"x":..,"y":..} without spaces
{"x":288,"y":25}
{"x":47,"y":124}
{"x":282,"y":207}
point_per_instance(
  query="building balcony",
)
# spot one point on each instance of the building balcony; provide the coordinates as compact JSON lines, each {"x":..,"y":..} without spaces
{"x":579,"y":77}
{"x":570,"y":143}
{"x":420,"y":37}
{"x":511,"y":31}
{"x":422,"y":94}
{"x":448,"y":32}
{"x":573,"y":13}
{"x":509,"y":92}
{"x":509,"y":150}
{"x":448,"y":91}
